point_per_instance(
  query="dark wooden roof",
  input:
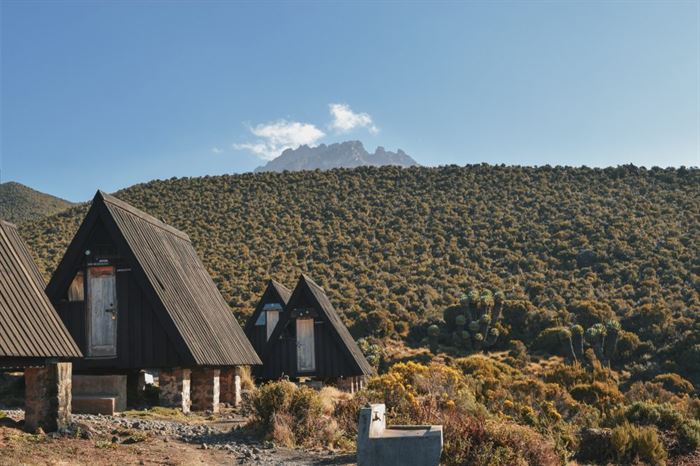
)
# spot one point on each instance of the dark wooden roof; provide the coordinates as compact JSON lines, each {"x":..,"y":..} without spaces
{"x":30,"y":327}
{"x":282,"y":291}
{"x":172,"y":275}
{"x":345,"y":340}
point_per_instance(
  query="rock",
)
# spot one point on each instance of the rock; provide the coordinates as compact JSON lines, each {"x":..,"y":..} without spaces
{"x":204,"y":446}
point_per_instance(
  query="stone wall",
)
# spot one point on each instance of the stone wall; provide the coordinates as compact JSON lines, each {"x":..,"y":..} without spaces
{"x":175,"y":388}
{"x":48,"y":397}
{"x":205,"y":389}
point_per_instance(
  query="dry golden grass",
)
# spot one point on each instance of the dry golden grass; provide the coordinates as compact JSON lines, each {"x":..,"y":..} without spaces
{"x":330,"y":396}
{"x":247,"y":382}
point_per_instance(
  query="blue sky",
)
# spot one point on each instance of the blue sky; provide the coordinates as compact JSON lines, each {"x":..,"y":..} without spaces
{"x":108,"y":94}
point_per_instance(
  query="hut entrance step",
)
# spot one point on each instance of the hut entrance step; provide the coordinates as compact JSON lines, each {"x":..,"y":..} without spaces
{"x":94,"y":405}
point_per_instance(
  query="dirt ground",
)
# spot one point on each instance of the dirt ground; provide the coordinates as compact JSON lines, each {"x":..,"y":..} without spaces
{"x":110,"y":443}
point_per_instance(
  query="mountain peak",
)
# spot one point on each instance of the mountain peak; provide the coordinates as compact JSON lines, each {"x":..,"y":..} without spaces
{"x":346,"y":154}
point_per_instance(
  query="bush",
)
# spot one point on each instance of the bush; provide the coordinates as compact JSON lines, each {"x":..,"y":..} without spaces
{"x":675,"y":383}
{"x":292,"y":415}
{"x":479,"y":442}
{"x":272,"y":398}
{"x":602,"y":395}
{"x":551,"y":340}
{"x":665,"y":417}
{"x":631,"y":444}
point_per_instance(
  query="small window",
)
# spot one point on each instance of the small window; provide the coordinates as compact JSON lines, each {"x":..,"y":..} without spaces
{"x":261,"y":319}
{"x":76,"y":291}
{"x":272,"y":318}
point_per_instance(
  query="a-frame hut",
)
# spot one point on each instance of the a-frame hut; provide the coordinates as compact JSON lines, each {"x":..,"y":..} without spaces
{"x":135,"y":296}
{"x":32,"y":336}
{"x":264,"y":319}
{"x":311,"y":341}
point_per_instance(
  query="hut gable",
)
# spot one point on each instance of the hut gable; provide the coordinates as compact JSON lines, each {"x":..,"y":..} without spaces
{"x":265,"y":317}
{"x":310,"y":339}
{"x":163,"y":289}
{"x":30,"y":328}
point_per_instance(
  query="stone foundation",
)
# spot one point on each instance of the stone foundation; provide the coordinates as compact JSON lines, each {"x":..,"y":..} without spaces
{"x":175,"y":388}
{"x":205,"y":389}
{"x":230,"y":381}
{"x":351,"y":384}
{"x":47,"y":397}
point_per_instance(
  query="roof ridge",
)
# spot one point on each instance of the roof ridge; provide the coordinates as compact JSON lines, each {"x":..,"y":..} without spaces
{"x":275,"y":282}
{"x":10,"y":224}
{"x":109,"y":199}
{"x":310,"y":280}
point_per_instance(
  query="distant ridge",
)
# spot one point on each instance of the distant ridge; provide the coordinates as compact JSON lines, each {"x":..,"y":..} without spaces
{"x":348,"y":154}
{"x":20,"y":203}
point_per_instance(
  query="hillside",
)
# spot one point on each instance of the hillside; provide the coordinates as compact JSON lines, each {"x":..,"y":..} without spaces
{"x":348,"y":154}
{"x":395,"y":247}
{"x":19,"y":203}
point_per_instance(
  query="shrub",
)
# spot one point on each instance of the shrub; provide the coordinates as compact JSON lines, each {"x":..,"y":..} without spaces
{"x":551,"y":340}
{"x":631,"y":444}
{"x":307,"y":414}
{"x":292,"y":415}
{"x":665,"y":417}
{"x":407,"y":385}
{"x":281,"y":430}
{"x":675,"y":383}
{"x":568,"y":375}
{"x":479,"y":442}
{"x":604,"y":396}
{"x":272,"y":398}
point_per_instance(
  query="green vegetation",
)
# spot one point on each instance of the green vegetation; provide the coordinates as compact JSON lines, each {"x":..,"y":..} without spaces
{"x":19,"y":204}
{"x":561,"y":305}
{"x":612,"y":252}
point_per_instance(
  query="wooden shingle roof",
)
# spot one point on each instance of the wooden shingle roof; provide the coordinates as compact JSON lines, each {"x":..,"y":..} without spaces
{"x":167,"y":264}
{"x":30,"y":327}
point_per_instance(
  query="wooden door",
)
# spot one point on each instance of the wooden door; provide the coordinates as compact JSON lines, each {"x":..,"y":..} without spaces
{"x":102,"y":312}
{"x":306,"y":354}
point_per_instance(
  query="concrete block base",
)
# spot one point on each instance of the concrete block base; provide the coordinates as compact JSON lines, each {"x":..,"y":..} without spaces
{"x":379,"y":445}
{"x":94,"y":405}
{"x":47,"y":397}
{"x":205,"y":389}
{"x":100,"y":386}
{"x":175,"y":388}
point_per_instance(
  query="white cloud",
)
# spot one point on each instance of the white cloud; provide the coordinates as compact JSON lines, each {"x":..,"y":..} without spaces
{"x":345,"y":120}
{"x":277,"y":136}
{"x":216,"y":150}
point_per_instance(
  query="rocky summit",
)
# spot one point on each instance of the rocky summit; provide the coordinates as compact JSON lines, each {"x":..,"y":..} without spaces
{"x":348,"y":154}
